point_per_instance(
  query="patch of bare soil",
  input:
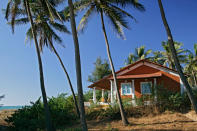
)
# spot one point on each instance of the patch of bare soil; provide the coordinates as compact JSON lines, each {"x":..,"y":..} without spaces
{"x":165,"y":121}
{"x":192,"y":115}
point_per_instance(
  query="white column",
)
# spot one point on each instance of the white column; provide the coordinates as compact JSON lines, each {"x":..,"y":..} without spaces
{"x":133,"y":93}
{"x":133,"y":89}
{"x":109,"y":96}
{"x":102,"y":93}
{"x":112,"y":95}
{"x":115,"y":91}
{"x":94,"y":95}
{"x":182,"y":87}
{"x":155,"y":88}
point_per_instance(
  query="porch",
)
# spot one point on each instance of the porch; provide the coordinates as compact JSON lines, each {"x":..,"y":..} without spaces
{"x":130,"y":88}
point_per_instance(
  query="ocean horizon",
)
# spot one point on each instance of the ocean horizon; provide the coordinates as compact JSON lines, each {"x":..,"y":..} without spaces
{"x":10,"y":107}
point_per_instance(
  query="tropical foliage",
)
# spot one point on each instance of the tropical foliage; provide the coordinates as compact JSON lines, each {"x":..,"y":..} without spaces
{"x":140,"y":53}
{"x":165,"y":57}
{"x":31,"y":118}
{"x":191,"y":67}
{"x":101,"y":69}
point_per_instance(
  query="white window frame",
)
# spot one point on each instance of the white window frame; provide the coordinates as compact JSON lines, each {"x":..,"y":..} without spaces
{"x":130,"y":89}
{"x":144,"y":83}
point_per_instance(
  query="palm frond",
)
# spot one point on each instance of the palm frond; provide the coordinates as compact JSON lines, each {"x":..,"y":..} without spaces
{"x":133,"y":3}
{"x":195,"y":49}
{"x":21,"y":21}
{"x":117,"y":20}
{"x":29,"y":35}
{"x":124,"y":12}
{"x":59,"y":27}
{"x":7,"y":11}
{"x":85,"y":18}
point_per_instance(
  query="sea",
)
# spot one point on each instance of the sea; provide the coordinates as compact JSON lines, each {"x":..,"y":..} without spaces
{"x":10,"y":107}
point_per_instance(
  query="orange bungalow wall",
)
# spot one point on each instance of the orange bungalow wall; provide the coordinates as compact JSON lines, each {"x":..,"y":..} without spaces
{"x":169,"y":81}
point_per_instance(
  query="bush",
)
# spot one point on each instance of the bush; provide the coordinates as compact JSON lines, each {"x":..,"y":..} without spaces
{"x":32,"y":118}
{"x":173,"y":101}
{"x":113,"y":112}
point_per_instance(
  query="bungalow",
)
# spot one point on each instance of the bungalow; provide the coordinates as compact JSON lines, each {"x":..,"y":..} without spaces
{"x":137,"y":79}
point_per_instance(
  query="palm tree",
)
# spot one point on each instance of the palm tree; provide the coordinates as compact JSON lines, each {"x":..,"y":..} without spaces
{"x":158,"y":58}
{"x":12,"y":10}
{"x":167,"y":55}
{"x":191,"y":66}
{"x":176,"y":60}
{"x":44,"y":27}
{"x":165,"y":58}
{"x":78,"y":66}
{"x":117,"y":16}
{"x":139,"y":54}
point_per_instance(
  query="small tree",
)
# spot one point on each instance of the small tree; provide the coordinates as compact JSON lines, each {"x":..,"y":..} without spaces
{"x":101,"y":70}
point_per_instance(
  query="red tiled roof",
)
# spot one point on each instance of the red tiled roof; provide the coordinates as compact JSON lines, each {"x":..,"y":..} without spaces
{"x":105,"y":79}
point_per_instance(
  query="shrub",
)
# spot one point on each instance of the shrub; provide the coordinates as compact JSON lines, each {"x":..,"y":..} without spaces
{"x":173,"y":101}
{"x":32,"y":118}
{"x":113,"y":112}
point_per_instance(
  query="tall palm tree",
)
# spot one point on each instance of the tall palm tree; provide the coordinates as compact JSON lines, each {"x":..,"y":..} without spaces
{"x":49,"y":124}
{"x":44,"y":27}
{"x":140,"y":53}
{"x":117,"y":16}
{"x":78,"y":66}
{"x":12,"y":10}
{"x":191,"y":67}
{"x":176,"y":60}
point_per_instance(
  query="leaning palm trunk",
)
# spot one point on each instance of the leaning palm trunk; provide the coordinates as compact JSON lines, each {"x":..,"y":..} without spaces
{"x":68,"y":78}
{"x":122,"y":112}
{"x":78,"y":67}
{"x":49,"y":125}
{"x":176,"y":60}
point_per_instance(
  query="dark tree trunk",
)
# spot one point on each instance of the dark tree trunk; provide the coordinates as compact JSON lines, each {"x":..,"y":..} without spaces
{"x":49,"y":124}
{"x":68,"y":78}
{"x":122,"y":112}
{"x":78,"y":67}
{"x":176,"y":60}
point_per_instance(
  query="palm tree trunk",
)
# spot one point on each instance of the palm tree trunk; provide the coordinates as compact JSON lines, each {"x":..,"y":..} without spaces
{"x":68,"y":78}
{"x":49,"y":124}
{"x":176,"y":60}
{"x":122,"y":112}
{"x":78,"y":67}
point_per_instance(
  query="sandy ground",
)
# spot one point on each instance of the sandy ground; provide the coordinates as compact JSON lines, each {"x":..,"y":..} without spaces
{"x":166,"y":121}
{"x":163,"y":122}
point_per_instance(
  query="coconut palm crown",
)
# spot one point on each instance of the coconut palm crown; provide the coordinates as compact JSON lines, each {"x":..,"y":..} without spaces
{"x":140,"y":53}
{"x":112,"y":10}
{"x":166,"y":56}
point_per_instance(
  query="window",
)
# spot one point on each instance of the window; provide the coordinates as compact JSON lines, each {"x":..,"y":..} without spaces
{"x":125,"y":88}
{"x":146,"y":87}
